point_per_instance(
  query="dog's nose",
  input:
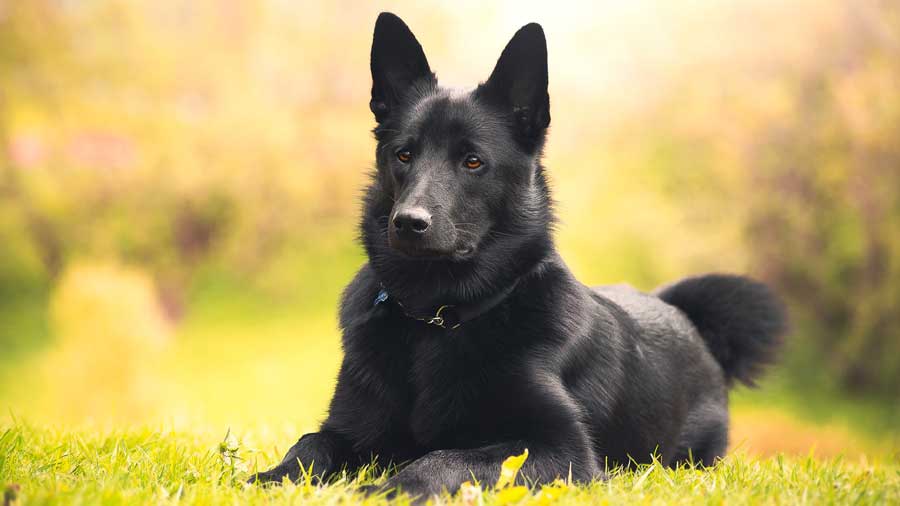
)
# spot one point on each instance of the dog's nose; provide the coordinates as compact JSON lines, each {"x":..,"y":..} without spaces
{"x":412,"y":222}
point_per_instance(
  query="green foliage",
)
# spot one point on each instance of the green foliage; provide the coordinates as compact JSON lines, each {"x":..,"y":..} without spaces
{"x":134,"y":144}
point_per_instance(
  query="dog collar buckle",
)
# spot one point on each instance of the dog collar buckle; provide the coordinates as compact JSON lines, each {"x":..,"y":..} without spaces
{"x":439,"y":320}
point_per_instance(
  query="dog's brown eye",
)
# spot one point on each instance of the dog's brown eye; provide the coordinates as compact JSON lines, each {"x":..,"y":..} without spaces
{"x":404,"y":156}
{"x":473,"y":162}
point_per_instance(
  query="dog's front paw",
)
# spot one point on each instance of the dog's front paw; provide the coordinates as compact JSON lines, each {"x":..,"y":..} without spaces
{"x":273,"y":476}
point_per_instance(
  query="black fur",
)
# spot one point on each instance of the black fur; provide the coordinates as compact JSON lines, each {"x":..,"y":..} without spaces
{"x":458,"y":210}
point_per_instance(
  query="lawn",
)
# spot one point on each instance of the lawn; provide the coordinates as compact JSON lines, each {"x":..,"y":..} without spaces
{"x":152,"y":466}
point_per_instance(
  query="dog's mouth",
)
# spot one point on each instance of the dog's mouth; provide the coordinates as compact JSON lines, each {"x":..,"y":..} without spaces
{"x":458,"y":253}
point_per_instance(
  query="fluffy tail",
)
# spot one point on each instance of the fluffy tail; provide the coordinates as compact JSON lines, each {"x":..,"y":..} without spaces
{"x":741,"y":320}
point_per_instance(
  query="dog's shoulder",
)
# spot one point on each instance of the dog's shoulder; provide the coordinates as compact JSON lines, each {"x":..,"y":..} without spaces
{"x":358,"y":298}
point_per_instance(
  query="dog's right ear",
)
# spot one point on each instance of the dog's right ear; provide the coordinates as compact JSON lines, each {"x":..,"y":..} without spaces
{"x":397,"y":62}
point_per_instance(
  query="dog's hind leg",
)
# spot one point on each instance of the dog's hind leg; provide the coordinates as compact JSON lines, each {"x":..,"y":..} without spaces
{"x":446,"y":470}
{"x":704,"y":438}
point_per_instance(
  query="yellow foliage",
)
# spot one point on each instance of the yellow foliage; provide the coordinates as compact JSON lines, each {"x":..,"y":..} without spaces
{"x":109,"y":332}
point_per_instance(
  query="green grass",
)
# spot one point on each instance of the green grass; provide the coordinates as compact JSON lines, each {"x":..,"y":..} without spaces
{"x":168,"y":467}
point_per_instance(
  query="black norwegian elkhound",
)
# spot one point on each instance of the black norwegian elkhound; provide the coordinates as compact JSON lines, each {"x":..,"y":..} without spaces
{"x":467,"y":339}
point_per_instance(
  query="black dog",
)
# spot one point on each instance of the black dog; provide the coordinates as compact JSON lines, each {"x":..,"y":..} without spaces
{"x":467,"y":340}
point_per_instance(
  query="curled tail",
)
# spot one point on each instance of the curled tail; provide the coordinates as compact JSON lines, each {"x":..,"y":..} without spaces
{"x":741,"y":320}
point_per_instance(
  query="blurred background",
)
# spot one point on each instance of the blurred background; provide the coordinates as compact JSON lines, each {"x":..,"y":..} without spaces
{"x":179,"y":185}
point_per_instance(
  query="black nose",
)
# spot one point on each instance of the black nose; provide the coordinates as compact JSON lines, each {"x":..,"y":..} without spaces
{"x":412,"y":222}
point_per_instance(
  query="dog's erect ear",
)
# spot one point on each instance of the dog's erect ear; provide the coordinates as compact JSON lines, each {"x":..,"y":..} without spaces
{"x":519,"y":80}
{"x":397,"y":62}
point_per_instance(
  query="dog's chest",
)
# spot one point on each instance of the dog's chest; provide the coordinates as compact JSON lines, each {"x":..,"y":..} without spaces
{"x":453,"y":383}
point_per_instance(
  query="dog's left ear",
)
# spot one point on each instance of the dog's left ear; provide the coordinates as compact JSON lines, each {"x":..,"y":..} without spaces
{"x":397,"y":62}
{"x":519,"y":80}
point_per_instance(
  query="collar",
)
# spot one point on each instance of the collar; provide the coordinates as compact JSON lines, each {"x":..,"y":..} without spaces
{"x":450,"y":316}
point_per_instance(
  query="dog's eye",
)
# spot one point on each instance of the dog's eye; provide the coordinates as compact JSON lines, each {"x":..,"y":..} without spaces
{"x":404,"y":155}
{"x":473,"y":162}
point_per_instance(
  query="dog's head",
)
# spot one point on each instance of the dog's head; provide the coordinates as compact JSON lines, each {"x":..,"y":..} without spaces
{"x":457,"y":171}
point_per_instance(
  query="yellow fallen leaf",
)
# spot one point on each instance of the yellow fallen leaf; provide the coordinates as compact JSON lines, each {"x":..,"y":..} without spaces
{"x":510,"y":469}
{"x":511,"y":495}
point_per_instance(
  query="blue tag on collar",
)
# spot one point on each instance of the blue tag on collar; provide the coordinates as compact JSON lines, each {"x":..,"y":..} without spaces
{"x":381,"y":297}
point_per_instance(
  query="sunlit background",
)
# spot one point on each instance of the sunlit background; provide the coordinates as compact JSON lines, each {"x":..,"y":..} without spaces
{"x":179,"y":188}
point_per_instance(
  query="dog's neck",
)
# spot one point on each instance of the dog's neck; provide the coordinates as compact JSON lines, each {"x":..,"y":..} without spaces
{"x":450,"y":316}
{"x":431,"y":286}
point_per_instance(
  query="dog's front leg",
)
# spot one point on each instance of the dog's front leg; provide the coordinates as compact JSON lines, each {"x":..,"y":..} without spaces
{"x":324,"y":452}
{"x":442,"y":470}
